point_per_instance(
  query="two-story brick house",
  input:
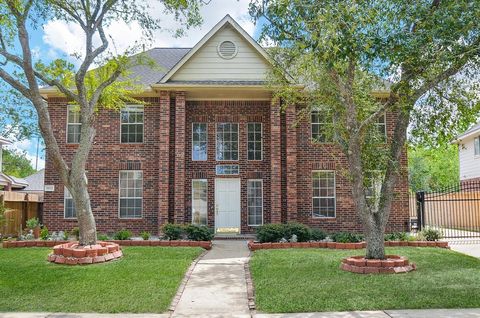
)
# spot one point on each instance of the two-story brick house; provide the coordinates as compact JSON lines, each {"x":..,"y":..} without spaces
{"x":210,"y":147}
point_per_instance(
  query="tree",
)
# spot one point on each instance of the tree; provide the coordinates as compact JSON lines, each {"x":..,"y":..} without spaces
{"x":86,"y":88}
{"x":15,"y":163}
{"x":344,"y":52}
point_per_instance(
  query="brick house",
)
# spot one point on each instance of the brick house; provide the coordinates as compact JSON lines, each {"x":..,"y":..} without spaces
{"x":210,"y":147}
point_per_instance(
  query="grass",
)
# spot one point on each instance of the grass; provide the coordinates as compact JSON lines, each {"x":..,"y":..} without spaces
{"x":299,"y":280}
{"x":144,"y":280}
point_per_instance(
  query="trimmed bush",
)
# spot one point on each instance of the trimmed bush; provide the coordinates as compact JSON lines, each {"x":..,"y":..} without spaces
{"x":346,"y":237}
{"x":172,"y":232}
{"x":396,"y":236}
{"x":145,"y":235}
{"x":44,"y":233}
{"x":271,"y":233}
{"x":302,"y":231}
{"x":123,"y":235}
{"x":199,"y":232}
{"x":317,"y":235}
{"x":431,"y":234}
{"x":103,"y":237}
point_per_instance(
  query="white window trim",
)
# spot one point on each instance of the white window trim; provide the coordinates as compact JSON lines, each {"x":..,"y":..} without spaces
{"x":131,"y":108}
{"x":334,"y":194}
{"x":238,"y":141}
{"x":207,"y":140}
{"x":206,"y":181}
{"x":476,"y":139}
{"x":65,"y":191}
{"x":143,"y":188}
{"x":384,"y":125}
{"x":69,"y":108}
{"x":312,"y":139}
{"x":263,"y":203}
{"x":261,"y":141}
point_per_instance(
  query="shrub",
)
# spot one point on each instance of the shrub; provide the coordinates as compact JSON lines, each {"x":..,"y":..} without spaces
{"x":172,"y":231}
{"x":271,"y":233}
{"x":103,"y":237}
{"x":44,"y":233}
{"x":431,"y":234}
{"x":76,"y":233}
{"x":317,"y":235}
{"x":346,"y":237}
{"x":123,"y":235}
{"x":302,"y":232}
{"x":32,"y":223}
{"x":396,"y":236}
{"x":66,"y":235}
{"x":199,"y":232}
{"x":145,"y":235}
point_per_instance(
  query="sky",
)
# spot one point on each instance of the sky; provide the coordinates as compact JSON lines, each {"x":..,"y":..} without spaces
{"x":58,"y":39}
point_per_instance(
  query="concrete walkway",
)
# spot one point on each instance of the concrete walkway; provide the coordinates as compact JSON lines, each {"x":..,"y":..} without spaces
{"x":466,"y":246}
{"x":217,"y":285}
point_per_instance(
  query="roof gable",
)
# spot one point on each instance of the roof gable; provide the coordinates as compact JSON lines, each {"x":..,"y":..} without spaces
{"x":203,"y":62}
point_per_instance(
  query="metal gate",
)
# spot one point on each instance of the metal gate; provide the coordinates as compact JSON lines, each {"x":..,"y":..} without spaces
{"x":455,"y":211}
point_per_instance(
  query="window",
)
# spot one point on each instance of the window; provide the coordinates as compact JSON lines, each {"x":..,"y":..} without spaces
{"x":254,"y":141}
{"x":131,"y":194}
{"x":476,"y":143}
{"x":227,"y":169}
{"x":69,"y":205}
{"x":381,"y":127}
{"x":199,"y":141}
{"x":322,"y":127}
{"x":255,"y":202}
{"x":199,"y":202}
{"x":74,"y":125}
{"x":227,"y":141}
{"x":323,"y":193}
{"x":131,"y":124}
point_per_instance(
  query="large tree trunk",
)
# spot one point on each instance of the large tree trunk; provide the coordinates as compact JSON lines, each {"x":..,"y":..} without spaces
{"x":374,"y":236}
{"x":86,"y":221}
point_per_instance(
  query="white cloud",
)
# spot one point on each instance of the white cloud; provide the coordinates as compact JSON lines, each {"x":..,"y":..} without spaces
{"x":67,"y":38}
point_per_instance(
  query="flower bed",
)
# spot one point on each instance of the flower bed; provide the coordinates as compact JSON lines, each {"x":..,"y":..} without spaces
{"x":392,"y":264}
{"x":344,"y":246}
{"x":72,"y":253}
{"x":204,"y":244}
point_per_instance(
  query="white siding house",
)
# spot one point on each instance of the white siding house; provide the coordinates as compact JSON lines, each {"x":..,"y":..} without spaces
{"x":469,"y":153}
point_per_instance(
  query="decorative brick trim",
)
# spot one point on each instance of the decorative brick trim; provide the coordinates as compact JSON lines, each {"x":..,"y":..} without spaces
{"x":291,"y":163}
{"x":130,"y":165}
{"x":199,"y":174}
{"x":323,"y":166}
{"x":164,"y":161}
{"x":275,"y":163}
{"x":200,"y":118}
{"x":203,"y":244}
{"x":255,"y":118}
{"x":255,"y":175}
{"x":180,"y":117}
{"x":392,"y":264}
{"x":250,"y":287}
{"x":72,"y":253}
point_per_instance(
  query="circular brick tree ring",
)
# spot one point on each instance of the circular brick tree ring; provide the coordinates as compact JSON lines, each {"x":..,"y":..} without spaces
{"x":72,"y":253}
{"x":392,"y":264}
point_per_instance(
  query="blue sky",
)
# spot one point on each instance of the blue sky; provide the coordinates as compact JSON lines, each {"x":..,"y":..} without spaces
{"x":57,"y":39}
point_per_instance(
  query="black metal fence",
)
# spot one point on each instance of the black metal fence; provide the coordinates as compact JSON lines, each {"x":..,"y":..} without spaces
{"x":455,"y":210}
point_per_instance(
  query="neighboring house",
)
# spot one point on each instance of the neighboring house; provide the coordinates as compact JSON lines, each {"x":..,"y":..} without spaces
{"x":9,"y":183}
{"x":211,"y":147}
{"x":469,"y":154}
{"x":36,"y":184}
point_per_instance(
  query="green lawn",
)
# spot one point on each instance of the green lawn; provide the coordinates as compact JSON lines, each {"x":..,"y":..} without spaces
{"x":144,"y":280}
{"x":304,"y":280}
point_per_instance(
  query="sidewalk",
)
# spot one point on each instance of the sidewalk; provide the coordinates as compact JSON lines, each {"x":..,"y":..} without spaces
{"x":217,"y":285}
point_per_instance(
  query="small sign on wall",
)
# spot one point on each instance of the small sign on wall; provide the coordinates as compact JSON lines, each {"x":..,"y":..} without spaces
{"x":49,"y":188}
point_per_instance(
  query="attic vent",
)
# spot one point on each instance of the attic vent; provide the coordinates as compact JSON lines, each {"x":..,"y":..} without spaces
{"x":227,"y":49}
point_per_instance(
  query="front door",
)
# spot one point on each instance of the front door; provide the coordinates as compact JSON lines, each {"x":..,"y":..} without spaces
{"x":227,"y":205}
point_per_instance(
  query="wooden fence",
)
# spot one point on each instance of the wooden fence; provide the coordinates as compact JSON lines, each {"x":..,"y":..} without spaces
{"x":19,"y":208}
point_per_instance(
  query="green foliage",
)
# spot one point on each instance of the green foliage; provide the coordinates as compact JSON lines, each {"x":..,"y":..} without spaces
{"x":199,"y":232}
{"x":270,"y":232}
{"x":396,"y":236}
{"x":103,"y":237}
{"x":66,"y":235}
{"x":76,"y":233}
{"x":317,"y":235}
{"x":145,"y":235}
{"x":123,"y":235}
{"x":44,"y":233}
{"x":32,"y":223}
{"x":15,"y":163}
{"x":346,"y":237}
{"x":173,"y":231}
{"x":432,"y":169}
{"x":300,"y":230}
{"x":431,"y":234}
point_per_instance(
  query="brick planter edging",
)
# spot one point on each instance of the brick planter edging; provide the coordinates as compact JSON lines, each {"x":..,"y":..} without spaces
{"x":393,"y":264}
{"x":72,"y":253}
{"x":203,"y":244}
{"x":341,"y":246}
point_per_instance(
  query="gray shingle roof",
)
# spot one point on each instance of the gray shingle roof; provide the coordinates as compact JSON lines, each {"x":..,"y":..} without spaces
{"x":35,"y":181}
{"x":165,"y":59}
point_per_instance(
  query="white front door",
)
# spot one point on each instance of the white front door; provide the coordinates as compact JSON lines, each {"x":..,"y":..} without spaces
{"x":227,"y":205}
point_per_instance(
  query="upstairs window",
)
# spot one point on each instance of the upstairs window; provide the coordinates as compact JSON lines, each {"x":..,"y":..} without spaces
{"x":323,"y":184}
{"x":476,"y":143}
{"x":69,"y":206}
{"x":131,"y":194}
{"x":322,"y":127}
{"x":199,"y":141}
{"x":131,"y":124}
{"x":227,"y":142}
{"x":381,"y":128}
{"x":74,"y":125}
{"x":254,"y":141}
